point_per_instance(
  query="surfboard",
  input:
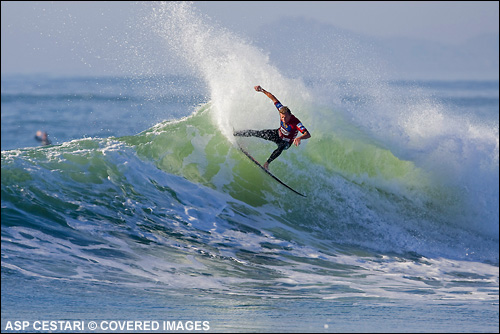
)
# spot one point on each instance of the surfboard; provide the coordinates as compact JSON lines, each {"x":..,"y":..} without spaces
{"x":268,"y":172}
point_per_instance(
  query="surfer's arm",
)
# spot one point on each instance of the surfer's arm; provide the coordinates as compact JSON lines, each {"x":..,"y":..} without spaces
{"x":305,"y":135}
{"x":269,"y":95}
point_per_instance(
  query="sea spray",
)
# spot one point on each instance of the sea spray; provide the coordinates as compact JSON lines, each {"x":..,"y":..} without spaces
{"x":230,"y":66}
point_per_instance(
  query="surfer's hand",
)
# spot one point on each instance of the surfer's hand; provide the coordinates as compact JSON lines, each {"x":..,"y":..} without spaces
{"x":258,"y":88}
{"x":296,"y":141}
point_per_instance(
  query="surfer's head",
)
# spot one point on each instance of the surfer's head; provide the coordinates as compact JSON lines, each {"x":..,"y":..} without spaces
{"x":285,"y":114}
{"x":284,"y":110}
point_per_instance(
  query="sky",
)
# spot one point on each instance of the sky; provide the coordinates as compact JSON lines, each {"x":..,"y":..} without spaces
{"x":58,"y":37}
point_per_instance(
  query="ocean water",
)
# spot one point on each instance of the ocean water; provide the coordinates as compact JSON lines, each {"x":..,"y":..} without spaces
{"x":143,"y":209}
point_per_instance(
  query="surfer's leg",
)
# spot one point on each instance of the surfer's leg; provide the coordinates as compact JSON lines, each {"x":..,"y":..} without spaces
{"x":271,"y":134}
{"x":245,"y":133}
{"x":283,"y":145}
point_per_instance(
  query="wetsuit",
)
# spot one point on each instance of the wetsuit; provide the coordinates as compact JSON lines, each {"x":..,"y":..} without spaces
{"x":283,"y":137}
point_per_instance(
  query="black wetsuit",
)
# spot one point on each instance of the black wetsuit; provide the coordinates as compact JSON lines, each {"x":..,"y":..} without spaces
{"x":270,"y":134}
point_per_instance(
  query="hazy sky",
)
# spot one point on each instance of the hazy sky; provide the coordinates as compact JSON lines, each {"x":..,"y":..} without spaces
{"x":48,"y":37}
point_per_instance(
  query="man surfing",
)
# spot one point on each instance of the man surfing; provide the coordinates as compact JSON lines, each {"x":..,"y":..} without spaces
{"x":285,"y":135}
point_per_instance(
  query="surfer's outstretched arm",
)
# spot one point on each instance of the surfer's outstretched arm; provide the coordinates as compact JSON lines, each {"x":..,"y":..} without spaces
{"x":269,"y":95}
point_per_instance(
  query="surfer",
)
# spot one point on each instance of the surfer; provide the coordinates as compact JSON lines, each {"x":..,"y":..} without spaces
{"x":285,"y":135}
{"x":43,"y":137}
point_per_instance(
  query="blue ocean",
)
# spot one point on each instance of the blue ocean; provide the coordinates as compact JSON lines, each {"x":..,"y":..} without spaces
{"x":143,"y":212}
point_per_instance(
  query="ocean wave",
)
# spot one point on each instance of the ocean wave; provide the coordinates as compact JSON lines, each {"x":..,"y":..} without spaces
{"x":179,"y":206}
{"x":358,"y":193}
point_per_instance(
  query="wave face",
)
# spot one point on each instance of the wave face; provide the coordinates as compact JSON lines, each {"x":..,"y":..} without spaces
{"x":393,"y":201}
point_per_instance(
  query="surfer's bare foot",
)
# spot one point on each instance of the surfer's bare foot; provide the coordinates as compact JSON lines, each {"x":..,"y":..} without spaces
{"x":266,"y":165}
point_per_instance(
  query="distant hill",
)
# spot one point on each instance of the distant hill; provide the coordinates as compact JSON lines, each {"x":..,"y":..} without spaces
{"x":304,"y":46}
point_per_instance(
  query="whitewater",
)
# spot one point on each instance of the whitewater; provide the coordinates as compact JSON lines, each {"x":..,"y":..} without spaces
{"x":170,"y":221}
